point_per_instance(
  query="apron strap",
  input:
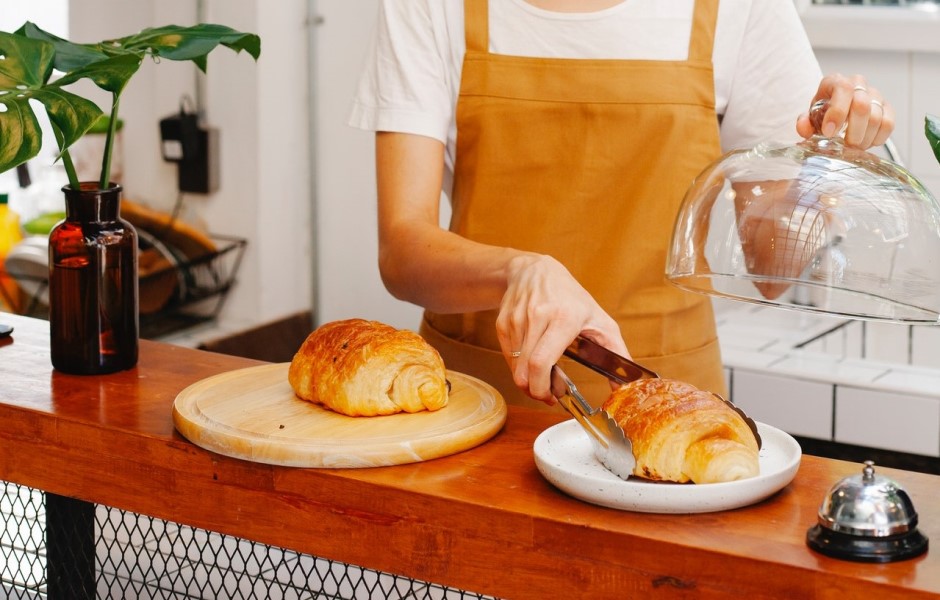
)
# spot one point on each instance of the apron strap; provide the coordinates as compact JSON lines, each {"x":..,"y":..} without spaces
{"x":476,"y":25}
{"x":703,"y":30}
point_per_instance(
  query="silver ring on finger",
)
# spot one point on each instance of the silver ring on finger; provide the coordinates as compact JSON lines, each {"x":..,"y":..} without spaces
{"x":860,"y":88}
{"x":878,"y":104}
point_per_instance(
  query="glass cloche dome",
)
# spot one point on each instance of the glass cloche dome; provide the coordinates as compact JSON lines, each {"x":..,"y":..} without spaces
{"x":815,"y":226}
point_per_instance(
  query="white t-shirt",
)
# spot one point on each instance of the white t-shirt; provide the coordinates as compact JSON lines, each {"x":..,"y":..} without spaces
{"x":765,"y":69}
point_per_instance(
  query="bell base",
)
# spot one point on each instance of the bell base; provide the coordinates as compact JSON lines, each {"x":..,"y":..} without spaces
{"x":866,"y":549}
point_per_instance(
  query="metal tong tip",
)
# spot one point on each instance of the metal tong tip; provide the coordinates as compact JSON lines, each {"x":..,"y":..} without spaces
{"x":611,"y":445}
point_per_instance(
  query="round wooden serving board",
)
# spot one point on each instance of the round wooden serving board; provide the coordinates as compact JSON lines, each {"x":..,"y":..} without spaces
{"x":254,"y":415}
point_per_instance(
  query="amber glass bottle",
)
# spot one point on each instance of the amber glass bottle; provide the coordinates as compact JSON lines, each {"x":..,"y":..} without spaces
{"x":93,"y":302}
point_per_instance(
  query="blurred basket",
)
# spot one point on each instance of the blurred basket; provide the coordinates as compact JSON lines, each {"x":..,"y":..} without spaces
{"x":203,"y":284}
{"x":175,"y":292}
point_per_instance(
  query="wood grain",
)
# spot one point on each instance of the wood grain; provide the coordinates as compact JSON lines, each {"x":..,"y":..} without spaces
{"x":482,"y":520}
{"x":253,"y":414}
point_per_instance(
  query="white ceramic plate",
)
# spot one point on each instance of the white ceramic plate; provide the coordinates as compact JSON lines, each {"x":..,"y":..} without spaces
{"x":565,"y":457}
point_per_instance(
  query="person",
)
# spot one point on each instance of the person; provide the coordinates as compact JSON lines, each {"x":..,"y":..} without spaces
{"x":564,"y":134}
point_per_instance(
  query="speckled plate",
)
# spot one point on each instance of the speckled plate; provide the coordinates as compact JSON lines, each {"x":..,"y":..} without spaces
{"x":565,"y":457}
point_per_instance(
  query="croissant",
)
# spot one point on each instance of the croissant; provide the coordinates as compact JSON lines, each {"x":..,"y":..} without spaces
{"x":367,"y":368}
{"x":681,"y":433}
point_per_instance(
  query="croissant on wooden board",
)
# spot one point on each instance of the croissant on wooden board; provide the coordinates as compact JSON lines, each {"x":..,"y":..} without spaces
{"x":367,"y":368}
{"x":681,"y":433}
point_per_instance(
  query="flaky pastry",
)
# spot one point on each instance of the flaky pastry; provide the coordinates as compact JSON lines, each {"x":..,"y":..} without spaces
{"x":681,"y":433}
{"x":367,"y":368}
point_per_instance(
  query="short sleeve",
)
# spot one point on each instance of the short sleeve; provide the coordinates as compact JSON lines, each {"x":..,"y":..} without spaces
{"x":404,"y":86}
{"x":774,"y":80}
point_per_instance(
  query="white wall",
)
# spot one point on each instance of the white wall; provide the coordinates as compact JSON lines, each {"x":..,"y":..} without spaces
{"x":347,"y":249}
{"x":51,"y":15}
{"x":261,"y":113}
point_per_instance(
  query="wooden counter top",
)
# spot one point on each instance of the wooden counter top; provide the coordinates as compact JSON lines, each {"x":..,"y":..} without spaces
{"x":483,"y":520}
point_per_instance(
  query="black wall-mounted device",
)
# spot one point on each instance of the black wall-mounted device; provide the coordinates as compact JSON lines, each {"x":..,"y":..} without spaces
{"x":195,"y":150}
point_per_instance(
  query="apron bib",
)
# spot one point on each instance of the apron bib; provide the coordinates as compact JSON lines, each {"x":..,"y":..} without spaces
{"x":587,"y":161}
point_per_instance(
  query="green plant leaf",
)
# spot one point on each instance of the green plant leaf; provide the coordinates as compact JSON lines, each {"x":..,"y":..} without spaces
{"x":68,"y":56}
{"x":932,"y":129}
{"x":25,"y":68}
{"x":24,"y":62}
{"x":72,"y":115}
{"x":20,"y":132}
{"x":29,"y":57}
{"x":111,"y":74}
{"x":190,"y":43}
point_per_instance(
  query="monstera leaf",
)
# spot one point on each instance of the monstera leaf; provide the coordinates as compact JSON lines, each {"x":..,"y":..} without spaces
{"x":68,"y":56}
{"x":188,"y":43}
{"x":29,"y":57}
{"x":171,"y":42}
{"x":932,"y":129}
{"x":25,"y":68}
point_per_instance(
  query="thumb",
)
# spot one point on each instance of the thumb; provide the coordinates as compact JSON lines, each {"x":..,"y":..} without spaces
{"x":804,"y":126}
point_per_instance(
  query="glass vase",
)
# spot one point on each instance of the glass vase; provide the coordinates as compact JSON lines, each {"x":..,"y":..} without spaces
{"x":93,"y":297}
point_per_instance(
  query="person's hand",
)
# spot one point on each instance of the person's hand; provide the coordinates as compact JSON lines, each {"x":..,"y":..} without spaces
{"x":854,"y":104}
{"x":782,"y":227}
{"x":542,"y":311}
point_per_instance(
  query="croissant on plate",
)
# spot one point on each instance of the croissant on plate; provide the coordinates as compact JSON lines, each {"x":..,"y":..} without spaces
{"x":367,"y":368}
{"x":681,"y":433}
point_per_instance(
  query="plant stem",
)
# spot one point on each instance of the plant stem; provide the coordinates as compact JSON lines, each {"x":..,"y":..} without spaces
{"x":74,"y":183}
{"x":109,"y":145}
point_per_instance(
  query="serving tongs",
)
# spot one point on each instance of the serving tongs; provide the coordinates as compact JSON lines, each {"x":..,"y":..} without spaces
{"x":623,"y":370}
{"x":611,"y":445}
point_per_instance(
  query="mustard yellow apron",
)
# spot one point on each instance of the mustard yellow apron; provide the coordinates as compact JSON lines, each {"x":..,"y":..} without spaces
{"x":587,"y":161}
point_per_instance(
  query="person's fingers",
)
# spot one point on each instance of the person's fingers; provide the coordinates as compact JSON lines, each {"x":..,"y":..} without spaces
{"x":510,"y":328}
{"x":874,"y":122}
{"x":859,"y":114}
{"x":518,"y":330}
{"x":837,"y":90}
{"x":541,"y":312}
{"x":854,"y":109}
{"x":511,"y":349}
{"x":886,"y":126}
{"x":804,"y":126}
{"x":543,"y":354}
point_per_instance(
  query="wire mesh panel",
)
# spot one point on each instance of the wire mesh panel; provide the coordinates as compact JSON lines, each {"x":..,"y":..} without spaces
{"x":135,"y":556}
{"x":22,"y":542}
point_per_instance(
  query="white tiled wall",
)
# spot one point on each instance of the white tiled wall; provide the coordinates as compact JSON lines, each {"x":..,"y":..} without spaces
{"x":863,"y":383}
{"x":925,"y":347}
{"x":798,"y":406}
{"x":887,"y":419}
